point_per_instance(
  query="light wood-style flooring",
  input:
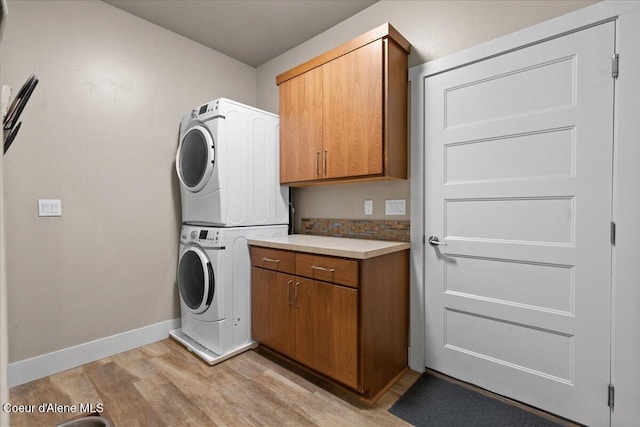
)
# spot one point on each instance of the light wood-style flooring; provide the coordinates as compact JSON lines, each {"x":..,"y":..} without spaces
{"x":162,"y":384}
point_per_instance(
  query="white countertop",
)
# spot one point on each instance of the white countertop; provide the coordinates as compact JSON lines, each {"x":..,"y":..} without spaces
{"x":333,"y":246}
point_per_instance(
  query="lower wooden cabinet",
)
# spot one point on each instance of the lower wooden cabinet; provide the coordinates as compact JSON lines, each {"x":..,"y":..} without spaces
{"x":272,"y":313}
{"x":326,"y":330}
{"x":355,"y":334}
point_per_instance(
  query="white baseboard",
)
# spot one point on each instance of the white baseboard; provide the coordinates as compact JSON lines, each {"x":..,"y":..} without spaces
{"x":51,"y":363}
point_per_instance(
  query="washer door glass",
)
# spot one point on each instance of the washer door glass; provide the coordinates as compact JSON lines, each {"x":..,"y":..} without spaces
{"x":196,"y":281}
{"x":195,"y":159}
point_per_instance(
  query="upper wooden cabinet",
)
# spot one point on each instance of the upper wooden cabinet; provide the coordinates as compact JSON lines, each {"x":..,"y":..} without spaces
{"x":343,"y":114}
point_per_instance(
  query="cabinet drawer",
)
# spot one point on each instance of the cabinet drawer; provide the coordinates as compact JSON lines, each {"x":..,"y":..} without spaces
{"x":273,"y":259}
{"x":327,"y":269}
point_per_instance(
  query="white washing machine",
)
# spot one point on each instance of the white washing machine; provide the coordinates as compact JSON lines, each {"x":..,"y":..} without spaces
{"x":228,"y":166}
{"x":214,"y":280}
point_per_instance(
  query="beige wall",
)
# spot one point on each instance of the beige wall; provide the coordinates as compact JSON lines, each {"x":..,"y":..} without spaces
{"x":4,"y":349}
{"x":435,"y":29}
{"x":100,"y":133}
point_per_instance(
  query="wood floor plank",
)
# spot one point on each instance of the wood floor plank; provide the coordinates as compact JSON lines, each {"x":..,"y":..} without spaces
{"x":122,"y":401}
{"x":281,"y":370}
{"x":355,"y":414}
{"x":34,"y":394}
{"x":76,"y":385}
{"x":254,"y":399}
{"x":320,"y":412}
{"x":171,"y":404}
{"x":156,"y":348}
{"x":193,"y":382}
{"x":250,"y":364}
{"x":136,"y":364}
{"x":164,"y":384}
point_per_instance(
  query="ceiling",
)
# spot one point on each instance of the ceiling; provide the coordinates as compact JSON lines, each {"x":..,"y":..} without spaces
{"x":251,"y":31}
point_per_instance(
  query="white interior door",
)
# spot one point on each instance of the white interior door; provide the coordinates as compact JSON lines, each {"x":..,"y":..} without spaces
{"x":518,"y":169}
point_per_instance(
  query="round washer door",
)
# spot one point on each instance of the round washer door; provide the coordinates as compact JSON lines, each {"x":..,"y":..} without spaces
{"x":196,"y":280}
{"x":195,"y":158}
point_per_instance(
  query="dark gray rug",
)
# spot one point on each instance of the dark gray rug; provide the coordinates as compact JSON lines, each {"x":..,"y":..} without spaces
{"x":434,"y":402}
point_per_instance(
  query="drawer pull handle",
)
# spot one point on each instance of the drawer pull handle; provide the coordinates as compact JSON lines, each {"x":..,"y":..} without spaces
{"x":270,"y":260}
{"x":330,"y":270}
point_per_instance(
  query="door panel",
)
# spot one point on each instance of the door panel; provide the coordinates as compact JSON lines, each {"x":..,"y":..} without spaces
{"x":518,"y":164}
{"x":273,"y":316}
{"x":352,"y":106}
{"x":509,"y":92}
{"x":327,"y":330}
{"x":476,"y":335}
{"x":540,"y":154}
{"x":512,"y":219}
{"x":540,"y":285}
{"x":301,"y":127}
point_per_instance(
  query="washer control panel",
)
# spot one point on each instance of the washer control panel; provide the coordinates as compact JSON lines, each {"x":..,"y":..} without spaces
{"x":210,"y":237}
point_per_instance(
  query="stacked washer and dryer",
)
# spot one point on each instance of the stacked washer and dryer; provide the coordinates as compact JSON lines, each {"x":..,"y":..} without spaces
{"x":228,"y":166}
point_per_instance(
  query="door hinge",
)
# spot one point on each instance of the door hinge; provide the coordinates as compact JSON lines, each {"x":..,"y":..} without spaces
{"x":615,"y":64}
{"x":611,"y":398}
{"x":613,"y":233}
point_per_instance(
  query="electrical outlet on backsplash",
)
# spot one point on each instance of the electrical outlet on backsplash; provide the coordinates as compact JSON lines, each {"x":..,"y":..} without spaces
{"x":397,"y":231}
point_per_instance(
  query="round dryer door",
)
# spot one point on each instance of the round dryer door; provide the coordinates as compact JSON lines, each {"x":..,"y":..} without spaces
{"x":195,"y":158}
{"x":196,"y":280}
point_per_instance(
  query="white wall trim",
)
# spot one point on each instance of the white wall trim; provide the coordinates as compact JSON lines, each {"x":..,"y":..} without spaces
{"x":625,"y":339}
{"x":417,"y":331}
{"x":51,"y":363}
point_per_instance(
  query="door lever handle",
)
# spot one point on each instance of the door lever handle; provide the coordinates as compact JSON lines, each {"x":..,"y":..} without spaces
{"x":434,"y":241}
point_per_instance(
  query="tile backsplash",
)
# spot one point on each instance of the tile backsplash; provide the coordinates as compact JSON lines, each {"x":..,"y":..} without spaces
{"x":397,"y":231}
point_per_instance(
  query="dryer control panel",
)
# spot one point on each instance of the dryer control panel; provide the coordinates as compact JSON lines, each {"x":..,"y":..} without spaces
{"x":211,"y":107}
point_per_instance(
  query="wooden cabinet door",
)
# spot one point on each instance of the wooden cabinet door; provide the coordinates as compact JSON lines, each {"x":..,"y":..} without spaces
{"x":352,"y":113}
{"x":301,"y":127}
{"x":327,"y":329}
{"x":273,"y":315}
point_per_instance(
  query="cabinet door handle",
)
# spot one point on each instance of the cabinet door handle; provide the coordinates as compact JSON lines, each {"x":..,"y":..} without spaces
{"x":330,"y":270}
{"x":317,"y":164}
{"x":295,"y":295}
{"x":289,"y":293}
{"x":324,"y":163}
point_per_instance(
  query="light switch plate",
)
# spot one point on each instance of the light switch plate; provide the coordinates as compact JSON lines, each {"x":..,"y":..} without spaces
{"x":395,"y":207}
{"x":368,"y":207}
{"x":49,"y":207}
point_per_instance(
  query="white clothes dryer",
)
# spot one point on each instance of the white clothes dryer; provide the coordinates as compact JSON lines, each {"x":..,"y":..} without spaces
{"x":228,"y":166}
{"x":214,"y":281}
